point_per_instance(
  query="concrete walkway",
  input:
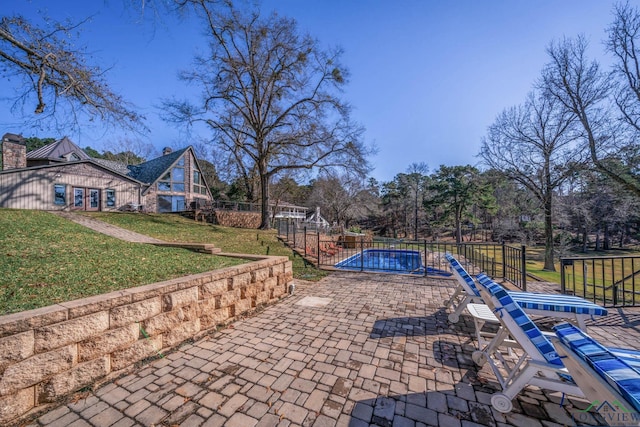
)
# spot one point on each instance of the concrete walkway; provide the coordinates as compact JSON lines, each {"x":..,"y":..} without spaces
{"x":354,"y":349}
{"x":105,"y":228}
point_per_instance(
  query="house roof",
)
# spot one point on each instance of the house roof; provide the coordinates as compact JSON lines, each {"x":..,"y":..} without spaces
{"x":57,"y":151}
{"x":113,"y":165}
{"x":288,"y":205}
{"x":153,"y":170}
{"x":90,"y":162}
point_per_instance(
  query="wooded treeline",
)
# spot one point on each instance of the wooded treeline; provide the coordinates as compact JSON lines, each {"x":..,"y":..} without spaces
{"x":561,"y":169}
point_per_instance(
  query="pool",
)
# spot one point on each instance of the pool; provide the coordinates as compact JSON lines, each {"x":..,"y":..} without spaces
{"x":390,"y":261}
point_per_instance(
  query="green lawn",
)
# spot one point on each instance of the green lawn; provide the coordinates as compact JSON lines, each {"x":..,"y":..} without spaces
{"x":46,"y":259}
{"x":175,"y":228}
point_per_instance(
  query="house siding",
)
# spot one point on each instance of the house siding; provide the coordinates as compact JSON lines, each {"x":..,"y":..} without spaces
{"x":34,"y":189}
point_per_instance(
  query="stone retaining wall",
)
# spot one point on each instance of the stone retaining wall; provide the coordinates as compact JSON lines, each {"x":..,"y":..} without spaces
{"x":237,"y":219}
{"x":50,"y":352}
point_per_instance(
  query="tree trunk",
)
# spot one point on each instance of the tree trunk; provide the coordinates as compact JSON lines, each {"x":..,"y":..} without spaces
{"x":264,"y":199}
{"x":548,"y":231}
{"x":585,"y":240}
{"x":458,"y":227}
{"x":606,"y":238}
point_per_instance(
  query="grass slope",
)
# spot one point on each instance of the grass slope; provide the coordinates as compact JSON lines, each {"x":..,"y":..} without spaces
{"x":175,"y":228}
{"x":45,"y":259}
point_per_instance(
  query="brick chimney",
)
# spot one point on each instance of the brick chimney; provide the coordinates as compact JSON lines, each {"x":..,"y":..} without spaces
{"x":14,"y":152}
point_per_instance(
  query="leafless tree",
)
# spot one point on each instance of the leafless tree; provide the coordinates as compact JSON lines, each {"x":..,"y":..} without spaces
{"x":416,"y":182}
{"x":622,"y":42}
{"x":270,"y":98}
{"x":53,"y":78}
{"x":535,"y":145}
{"x":342,"y":199}
{"x":587,"y":92}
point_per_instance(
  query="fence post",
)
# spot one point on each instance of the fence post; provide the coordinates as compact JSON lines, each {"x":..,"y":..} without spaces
{"x":295,"y":243}
{"x":504,"y":261}
{"x":524,"y":268}
{"x":563,"y":285}
{"x":425,"y":258}
{"x":304,"y":241}
{"x":318,"y":248}
{"x":361,"y":253}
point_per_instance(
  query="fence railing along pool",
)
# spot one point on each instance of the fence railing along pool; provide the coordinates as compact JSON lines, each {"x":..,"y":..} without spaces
{"x":359,"y":252}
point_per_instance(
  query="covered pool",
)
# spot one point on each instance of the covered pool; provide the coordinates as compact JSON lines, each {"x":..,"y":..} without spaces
{"x":390,"y":261}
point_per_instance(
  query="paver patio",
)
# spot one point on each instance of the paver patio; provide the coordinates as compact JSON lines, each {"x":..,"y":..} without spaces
{"x":354,"y":349}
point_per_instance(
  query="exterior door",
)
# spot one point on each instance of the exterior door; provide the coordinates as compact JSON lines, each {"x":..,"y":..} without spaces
{"x":86,"y":199}
{"x":78,"y":198}
{"x":94,"y":200}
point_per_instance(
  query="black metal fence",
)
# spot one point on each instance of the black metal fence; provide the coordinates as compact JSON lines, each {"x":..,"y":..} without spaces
{"x":337,"y":249}
{"x":608,"y":281}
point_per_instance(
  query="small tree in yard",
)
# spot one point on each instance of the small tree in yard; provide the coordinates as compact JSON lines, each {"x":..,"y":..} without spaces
{"x":269,"y":98}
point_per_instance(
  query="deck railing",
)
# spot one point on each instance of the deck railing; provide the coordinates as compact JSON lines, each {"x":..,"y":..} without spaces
{"x":608,"y":281}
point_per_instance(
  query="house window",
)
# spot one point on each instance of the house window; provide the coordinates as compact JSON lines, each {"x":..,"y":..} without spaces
{"x":174,"y":179}
{"x":60,"y":194}
{"x":171,"y":203}
{"x":111,"y":198}
{"x":198,"y":183}
{"x":177,"y":178}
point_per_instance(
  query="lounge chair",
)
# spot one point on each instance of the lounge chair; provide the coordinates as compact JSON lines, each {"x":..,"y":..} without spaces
{"x":575,"y":309}
{"x":569,"y":307}
{"x":609,"y":378}
{"x":538,"y":365}
{"x":465,"y":293}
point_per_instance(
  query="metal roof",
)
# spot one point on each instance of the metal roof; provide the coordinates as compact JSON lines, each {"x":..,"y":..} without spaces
{"x":58,"y":151}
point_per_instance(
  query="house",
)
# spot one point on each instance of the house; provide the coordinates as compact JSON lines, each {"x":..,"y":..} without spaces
{"x":316,"y":220}
{"x":284,"y":210}
{"x":61,"y":176}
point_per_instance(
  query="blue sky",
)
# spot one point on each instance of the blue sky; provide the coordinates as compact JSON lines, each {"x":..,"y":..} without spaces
{"x":427,"y":77}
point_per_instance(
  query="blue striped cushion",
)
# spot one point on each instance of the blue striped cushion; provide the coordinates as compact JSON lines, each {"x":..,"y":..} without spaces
{"x":505,"y":305}
{"x":614,"y":370}
{"x":550,"y":302}
{"x":463,"y":273}
{"x":561,"y":303}
{"x":630,"y":357}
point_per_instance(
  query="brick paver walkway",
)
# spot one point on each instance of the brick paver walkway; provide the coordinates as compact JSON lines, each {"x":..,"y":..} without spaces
{"x":351,"y":350}
{"x":105,"y":228}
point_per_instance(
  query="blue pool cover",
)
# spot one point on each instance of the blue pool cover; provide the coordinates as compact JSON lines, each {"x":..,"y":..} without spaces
{"x":390,"y":261}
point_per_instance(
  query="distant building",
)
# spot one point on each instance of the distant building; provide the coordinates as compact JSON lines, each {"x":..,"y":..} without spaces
{"x":316,"y":220}
{"x":61,"y":176}
{"x":288,"y":211}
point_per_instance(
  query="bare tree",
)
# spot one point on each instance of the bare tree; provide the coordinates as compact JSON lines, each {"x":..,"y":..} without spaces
{"x":342,"y":198}
{"x":53,"y":78}
{"x":269,"y":96}
{"x":586,"y":91}
{"x":622,"y":43}
{"x":416,"y":181}
{"x":534,"y":144}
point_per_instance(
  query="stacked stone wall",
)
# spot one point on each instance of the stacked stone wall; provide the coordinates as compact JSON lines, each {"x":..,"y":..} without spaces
{"x":48,"y":353}
{"x":236,"y":219}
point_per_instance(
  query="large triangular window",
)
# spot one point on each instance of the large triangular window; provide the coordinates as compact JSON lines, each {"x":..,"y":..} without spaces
{"x":173,"y":180}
